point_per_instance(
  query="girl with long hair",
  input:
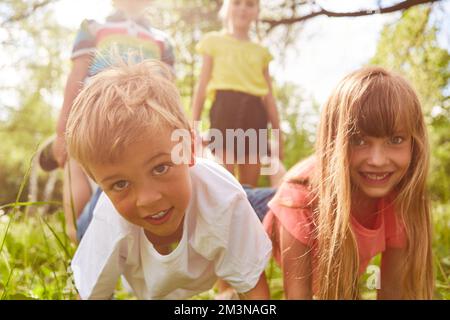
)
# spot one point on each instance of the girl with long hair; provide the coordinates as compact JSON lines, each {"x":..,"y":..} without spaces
{"x":362,"y":193}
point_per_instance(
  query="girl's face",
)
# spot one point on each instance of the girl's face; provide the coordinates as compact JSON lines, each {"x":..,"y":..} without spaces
{"x":378,"y":164}
{"x":242,"y":13}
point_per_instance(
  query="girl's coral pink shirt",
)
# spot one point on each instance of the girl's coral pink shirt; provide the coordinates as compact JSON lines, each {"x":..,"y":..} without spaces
{"x":290,"y":209}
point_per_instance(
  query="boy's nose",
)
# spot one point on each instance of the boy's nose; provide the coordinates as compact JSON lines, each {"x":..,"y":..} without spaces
{"x":147,"y":197}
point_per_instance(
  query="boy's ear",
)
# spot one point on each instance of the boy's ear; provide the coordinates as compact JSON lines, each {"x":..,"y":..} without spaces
{"x":193,"y":139}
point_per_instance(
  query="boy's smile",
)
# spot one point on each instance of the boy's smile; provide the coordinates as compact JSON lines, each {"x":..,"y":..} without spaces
{"x":146,"y":187}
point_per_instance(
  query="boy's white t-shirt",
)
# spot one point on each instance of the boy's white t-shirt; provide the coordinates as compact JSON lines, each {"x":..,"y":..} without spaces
{"x":222,"y":238}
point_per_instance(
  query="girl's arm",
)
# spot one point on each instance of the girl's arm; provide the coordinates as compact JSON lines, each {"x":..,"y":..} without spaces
{"x":74,"y":84}
{"x":296,"y":265}
{"x":200,"y":93}
{"x":259,"y":292}
{"x":272,"y":111}
{"x":391,"y":274}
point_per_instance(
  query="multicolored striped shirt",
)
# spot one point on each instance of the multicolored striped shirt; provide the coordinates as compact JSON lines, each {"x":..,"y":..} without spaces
{"x":133,"y":40}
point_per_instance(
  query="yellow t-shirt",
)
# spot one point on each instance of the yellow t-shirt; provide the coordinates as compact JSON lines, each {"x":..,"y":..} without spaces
{"x":237,"y":65}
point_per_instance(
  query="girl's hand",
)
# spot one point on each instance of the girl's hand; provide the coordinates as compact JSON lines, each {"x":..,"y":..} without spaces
{"x":297,"y":268}
{"x":392,"y":274}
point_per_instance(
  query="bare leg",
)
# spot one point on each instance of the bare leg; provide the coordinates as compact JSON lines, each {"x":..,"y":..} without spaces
{"x":221,"y":158}
{"x":230,"y":168}
{"x":249,"y":174}
{"x":76,"y":194}
{"x":277,"y":178}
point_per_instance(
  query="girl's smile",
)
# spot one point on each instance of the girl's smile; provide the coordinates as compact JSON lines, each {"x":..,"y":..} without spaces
{"x":376,"y":178}
{"x":377,"y":165}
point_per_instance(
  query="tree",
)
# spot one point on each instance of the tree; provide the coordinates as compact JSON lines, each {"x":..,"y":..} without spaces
{"x":409,"y":46}
{"x":291,"y":12}
{"x":35,"y":47}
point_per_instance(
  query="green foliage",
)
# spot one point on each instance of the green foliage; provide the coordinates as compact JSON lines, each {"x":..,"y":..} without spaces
{"x":441,"y":249}
{"x":409,"y":46}
{"x":298,"y":121}
{"x":35,"y":252}
{"x":36,"y":46}
{"x":34,"y":260}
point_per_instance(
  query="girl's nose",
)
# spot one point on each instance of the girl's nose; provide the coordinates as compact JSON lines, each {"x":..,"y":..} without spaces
{"x":377,"y":156}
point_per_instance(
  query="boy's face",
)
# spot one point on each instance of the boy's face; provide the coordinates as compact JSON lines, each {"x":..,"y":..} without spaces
{"x":145,"y":186}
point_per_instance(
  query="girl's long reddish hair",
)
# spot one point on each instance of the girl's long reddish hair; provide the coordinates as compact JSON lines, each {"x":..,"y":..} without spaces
{"x":374,"y":101}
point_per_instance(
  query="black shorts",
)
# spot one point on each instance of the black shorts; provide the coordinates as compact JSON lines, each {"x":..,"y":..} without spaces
{"x":238,"y":110}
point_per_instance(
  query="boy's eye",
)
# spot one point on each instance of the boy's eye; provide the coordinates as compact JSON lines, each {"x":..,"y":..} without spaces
{"x":357,"y":141}
{"x":160,"y":169}
{"x":396,"y":140}
{"x":120,"y":185}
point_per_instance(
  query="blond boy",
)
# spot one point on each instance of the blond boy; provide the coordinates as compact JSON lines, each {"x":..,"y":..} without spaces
{"x":171,"y":229}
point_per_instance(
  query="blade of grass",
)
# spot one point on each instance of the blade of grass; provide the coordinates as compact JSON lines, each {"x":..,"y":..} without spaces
{"x":19,"y":194}
{"x":57,"y":239}
{"x":27,"y":204}
{"x":7,"y":284}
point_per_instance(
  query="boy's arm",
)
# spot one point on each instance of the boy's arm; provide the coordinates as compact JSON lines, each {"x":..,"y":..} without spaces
{"x":243,"y":249}
{"x":259,"y":292}
{"x":200,"y":92}
{"x":272,"y":111}
{"x":98,"y":264}
{"x":297,"y":270}
{"x":392,"y":261}
{"x":73,"y":86}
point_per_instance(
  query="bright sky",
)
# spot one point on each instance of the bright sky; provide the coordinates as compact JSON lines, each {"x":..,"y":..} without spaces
{"x":328,"y":49}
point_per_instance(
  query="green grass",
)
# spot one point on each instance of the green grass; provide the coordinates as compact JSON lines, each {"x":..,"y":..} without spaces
{"x":35,"y":255}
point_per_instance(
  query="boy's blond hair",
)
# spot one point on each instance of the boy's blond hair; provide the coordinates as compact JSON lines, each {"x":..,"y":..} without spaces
{"x":119,"y":106}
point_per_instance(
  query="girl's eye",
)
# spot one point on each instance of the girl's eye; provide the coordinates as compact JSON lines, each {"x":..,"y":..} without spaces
{"x":397,"y":140}
{"x":357,"y":141}
{"x":161,"y":169}
{"x":120,"y":185}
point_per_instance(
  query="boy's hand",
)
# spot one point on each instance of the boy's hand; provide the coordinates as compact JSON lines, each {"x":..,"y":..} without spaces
{"x":59,"y":151}
{"x":259,"y":292}
{"x":227,"y":294}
